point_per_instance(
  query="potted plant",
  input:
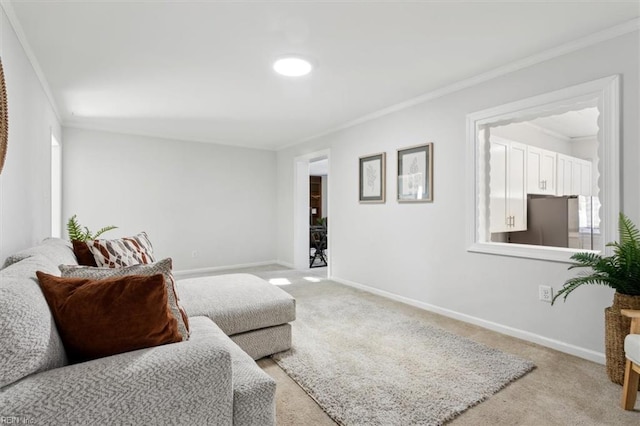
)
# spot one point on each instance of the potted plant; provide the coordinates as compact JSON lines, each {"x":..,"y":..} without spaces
{"x":620,"y":271}
{"x":82,"y":233}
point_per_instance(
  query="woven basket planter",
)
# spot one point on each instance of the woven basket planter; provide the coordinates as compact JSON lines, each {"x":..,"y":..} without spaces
{"x":616,"y":329}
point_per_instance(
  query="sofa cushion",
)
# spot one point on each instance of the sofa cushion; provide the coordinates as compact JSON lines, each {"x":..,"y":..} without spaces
{"x":237,"y":302}
{"x":264,"y":341}
{"x":55,"y":249}
{"x":123,"y":251}
{"x":162,"y":267}
{"x":98,"y":318}
{"x":29,"y":339}
{"x":632,"y":348}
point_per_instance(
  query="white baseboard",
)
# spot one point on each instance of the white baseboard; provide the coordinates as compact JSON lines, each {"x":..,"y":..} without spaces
{"x":285,"y":264}
{"x":203,"y":271}
{"x":578,"y":351}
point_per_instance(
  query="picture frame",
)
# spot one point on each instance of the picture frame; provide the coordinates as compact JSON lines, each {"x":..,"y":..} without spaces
{"x":415,"y":174}
{"x":372,"y":178}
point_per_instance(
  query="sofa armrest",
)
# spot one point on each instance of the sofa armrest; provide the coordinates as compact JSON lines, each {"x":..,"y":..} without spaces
{"x":180,"y":383}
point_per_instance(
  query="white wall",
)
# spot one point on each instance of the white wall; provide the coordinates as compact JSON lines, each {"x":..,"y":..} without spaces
{"x":217,"y":200}
{"x":25,"y":182}
{"x":418,"y":251}
{"x":586,"y":148}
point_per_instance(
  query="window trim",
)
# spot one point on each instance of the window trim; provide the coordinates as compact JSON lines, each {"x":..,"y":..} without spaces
{"x":603,"y":93}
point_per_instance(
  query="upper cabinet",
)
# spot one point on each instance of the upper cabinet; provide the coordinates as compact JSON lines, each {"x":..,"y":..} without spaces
{"x":541,"y":171}
{"x":508,"y":192}
{"x":574,"y":176}
{"x":565,"y":174}
{"x":517,"y":170}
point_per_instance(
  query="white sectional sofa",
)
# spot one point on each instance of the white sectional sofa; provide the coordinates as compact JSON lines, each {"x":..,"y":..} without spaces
{"x":208,"y":379}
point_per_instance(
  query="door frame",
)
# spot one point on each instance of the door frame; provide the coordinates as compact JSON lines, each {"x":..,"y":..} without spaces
{"x":301,"y":208}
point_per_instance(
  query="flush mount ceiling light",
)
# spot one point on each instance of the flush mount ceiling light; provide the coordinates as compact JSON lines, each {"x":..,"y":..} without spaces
{"x":292,"y":66}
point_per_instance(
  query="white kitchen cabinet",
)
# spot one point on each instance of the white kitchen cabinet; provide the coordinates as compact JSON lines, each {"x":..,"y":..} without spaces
{"x":581,"y":184}
{"x":541,"y":171}
{"x":574,"y":176}
{"x":507,"y":186}
{"x":565,"y":175}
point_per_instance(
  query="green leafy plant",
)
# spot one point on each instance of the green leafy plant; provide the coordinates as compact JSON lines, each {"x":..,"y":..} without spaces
{"x":78,"y":232}
{"x":620,"y":271}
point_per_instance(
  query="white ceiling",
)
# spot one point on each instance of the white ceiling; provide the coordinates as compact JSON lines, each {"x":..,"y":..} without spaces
{"x":572,"y":124}
{"x":201,"y":70}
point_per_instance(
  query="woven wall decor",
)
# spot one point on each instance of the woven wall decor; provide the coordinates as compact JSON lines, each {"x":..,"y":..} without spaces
{"x":4,"y":119}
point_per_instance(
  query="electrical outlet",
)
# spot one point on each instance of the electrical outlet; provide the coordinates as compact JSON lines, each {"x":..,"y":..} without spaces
{"x":545,"y":293}
{"x":194,"y":254}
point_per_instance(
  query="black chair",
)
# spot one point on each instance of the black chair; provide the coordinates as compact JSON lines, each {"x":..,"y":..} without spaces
{"x":318,"y":242}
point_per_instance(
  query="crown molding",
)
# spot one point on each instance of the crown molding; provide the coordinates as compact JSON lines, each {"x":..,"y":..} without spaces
{"x":563,"y":49}
{"x":546,"y":131}
{"x":22,"y":38}
{"x":584,"y":138}
{"x":130,"y":132}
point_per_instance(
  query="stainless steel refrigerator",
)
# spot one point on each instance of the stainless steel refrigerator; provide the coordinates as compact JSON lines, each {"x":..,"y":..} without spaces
{"x":558,"y":222}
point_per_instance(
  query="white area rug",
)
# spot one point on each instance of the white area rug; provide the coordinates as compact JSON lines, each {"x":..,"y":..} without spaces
{"x":368,"y":365}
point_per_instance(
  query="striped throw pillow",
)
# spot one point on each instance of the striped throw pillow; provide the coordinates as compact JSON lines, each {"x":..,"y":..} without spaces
{"x":122,"y":252}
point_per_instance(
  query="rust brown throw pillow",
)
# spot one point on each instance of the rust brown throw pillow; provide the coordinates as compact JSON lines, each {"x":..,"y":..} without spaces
{"x":83,"y":254}
{"x":162,"y":267}
{"x":98,"y":318}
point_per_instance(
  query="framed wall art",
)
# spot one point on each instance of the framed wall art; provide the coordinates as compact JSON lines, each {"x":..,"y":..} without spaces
{"x":415,"y":173}
{"x":372,"y":178}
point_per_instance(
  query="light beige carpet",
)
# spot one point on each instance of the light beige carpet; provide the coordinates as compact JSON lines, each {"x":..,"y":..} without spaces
{"x":367,"y":365}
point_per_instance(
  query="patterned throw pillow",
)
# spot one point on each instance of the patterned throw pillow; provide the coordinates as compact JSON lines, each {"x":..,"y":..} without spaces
{"x":122,"y":252}
{"x":98,"y":318}
{"x":162,"y":267}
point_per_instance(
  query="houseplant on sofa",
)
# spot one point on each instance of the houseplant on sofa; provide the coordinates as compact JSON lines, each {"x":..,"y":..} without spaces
{"x":620,"y":271}
{"x":78,"y":232}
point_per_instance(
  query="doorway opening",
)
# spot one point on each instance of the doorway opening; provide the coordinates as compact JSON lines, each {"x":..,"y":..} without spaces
{"x":305,"y":166}
{"x":318,"y":219}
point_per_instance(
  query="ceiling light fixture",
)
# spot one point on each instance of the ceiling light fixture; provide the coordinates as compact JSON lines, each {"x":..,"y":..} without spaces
{"x":292,"y":66}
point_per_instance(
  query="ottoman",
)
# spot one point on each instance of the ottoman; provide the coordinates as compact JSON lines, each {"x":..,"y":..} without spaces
{"x":252,"y":312}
